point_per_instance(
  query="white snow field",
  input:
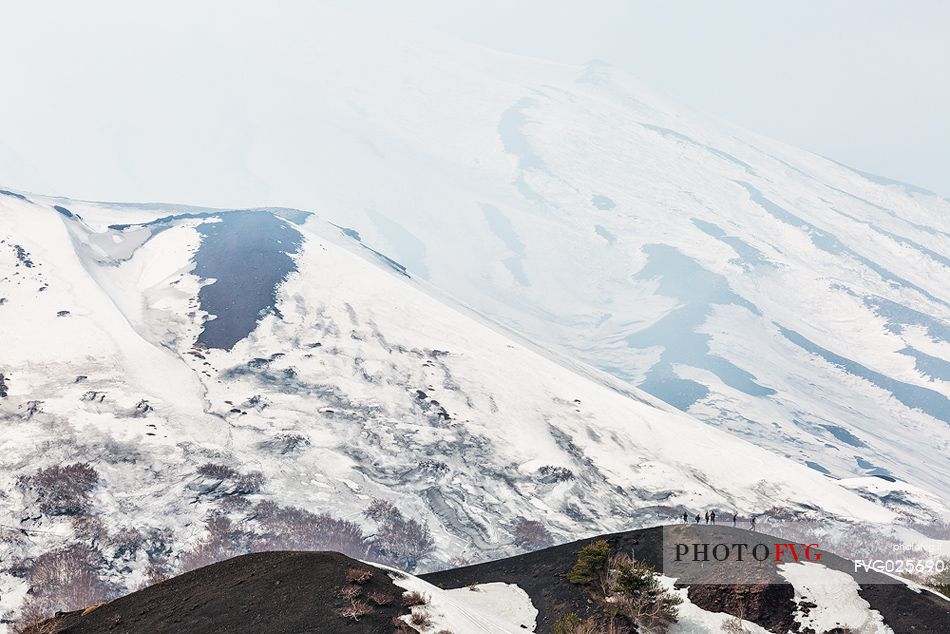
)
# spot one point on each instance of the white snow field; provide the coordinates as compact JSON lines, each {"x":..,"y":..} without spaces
{"x":771,"y":292}
{"x":835,"y":594}
{"x":488,"y":608}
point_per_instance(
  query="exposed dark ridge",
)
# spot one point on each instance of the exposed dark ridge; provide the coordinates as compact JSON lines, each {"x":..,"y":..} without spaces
{"x":166,"y":220}
{"x":14,"y":195}
{"x":296,"y":216}
{"x":276,"y":593}
{"x":348,"y":232}
{"x":542,"y":575}
{"x":686,"y":139}
{"x":393,"y":264}
{"x":298,"y":592}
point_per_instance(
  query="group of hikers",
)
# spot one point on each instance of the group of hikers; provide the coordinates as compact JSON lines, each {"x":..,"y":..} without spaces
{"x":711,"y":518}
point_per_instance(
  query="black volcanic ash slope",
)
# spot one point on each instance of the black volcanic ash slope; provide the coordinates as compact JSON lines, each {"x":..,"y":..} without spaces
{"x":299,"y":593}
{"x":272,"y":593}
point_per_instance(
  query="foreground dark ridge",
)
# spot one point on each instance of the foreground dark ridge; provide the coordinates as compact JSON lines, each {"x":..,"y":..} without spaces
{"x":299,"y":592}
{"x":541,"y":575}
{"x":273,"y":593}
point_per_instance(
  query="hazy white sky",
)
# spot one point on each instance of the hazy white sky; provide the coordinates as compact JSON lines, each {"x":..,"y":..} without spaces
{"x":866,"y":82}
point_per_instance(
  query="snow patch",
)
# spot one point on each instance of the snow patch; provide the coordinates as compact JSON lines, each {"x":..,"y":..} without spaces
{"x":491,"y":608}
{"x":834,"y":594}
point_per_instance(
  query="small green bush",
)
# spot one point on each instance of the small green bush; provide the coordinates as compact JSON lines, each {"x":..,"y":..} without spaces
{"x":628,"y":593}
{"x":639,"y":595}
{"x":591,"y":563}
{"x":636,"y":578}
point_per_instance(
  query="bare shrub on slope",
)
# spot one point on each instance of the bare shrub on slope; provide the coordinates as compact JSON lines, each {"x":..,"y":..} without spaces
{"x":293,"y":528}
{"x":63,"y":580}
{"x":62,"y":490}
{"x":531,"y":534}
{"x":222,"y":541}
{"x":399,"y":541}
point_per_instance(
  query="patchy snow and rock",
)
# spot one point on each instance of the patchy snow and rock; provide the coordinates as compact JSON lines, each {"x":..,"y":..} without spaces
{"x":829,"y":599}
{"x":491,"y":608}
{"x":692,"y":619}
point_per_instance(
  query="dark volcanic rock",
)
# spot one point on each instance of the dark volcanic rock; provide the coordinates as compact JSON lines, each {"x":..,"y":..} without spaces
{"x":22,"y":256}
{"x":771,"y":606}
{"x":542,"y":575}
{"x":284,"y":592}
{"x":247,"y":255}
{"x":276,"y":593}
{"x":14,"y":195}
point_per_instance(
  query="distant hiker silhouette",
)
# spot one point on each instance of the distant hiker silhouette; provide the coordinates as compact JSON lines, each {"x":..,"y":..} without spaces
{"x":735,"y":516}
{"x":753,"y":522}
{"x":697,"y":518}
{"x":685,"y":517}
{"x":707,"y":517}
{"x":712,"y":516}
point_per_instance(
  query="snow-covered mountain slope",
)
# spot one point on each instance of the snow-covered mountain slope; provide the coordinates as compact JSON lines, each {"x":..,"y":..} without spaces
{"x":774,"y":293}
{"x":152,"y":344}
{"x":777,"y":294}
